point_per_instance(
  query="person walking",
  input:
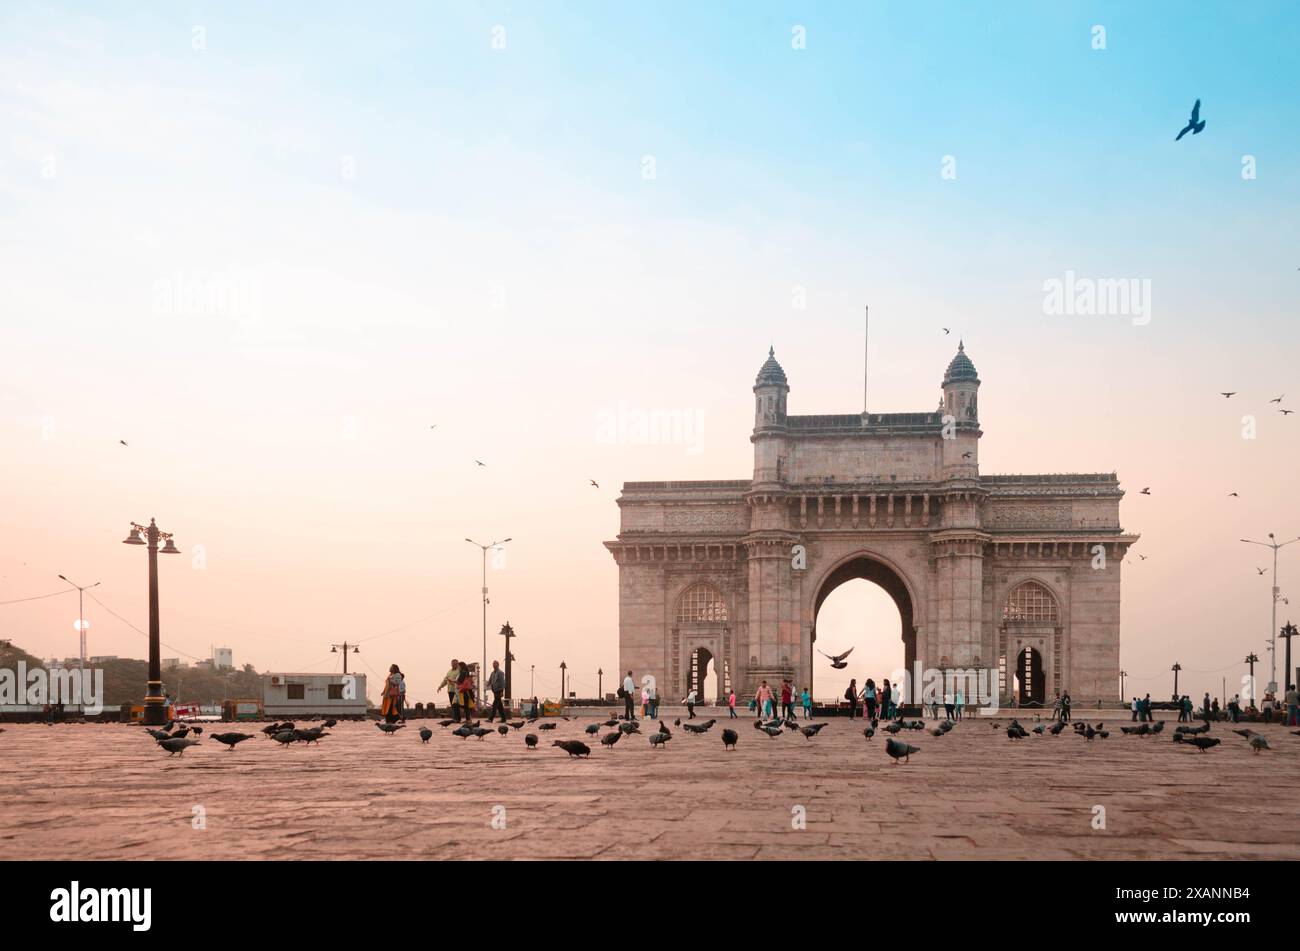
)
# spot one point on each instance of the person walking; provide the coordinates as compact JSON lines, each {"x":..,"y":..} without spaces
{"x":628,"y":691}
{"x":851,"y":695}
{"x":496,"y":682}
{"x":763,"y":698}
{"x":948,"y":705}
{"x":653,"y":706}
{"x":1205,"y":706}
{"x":1292,"y":699}
{"x":731,"y":704}
{"x":869,"y":699}
{"x":391,"y":710}
{"x":886,"y":701}
{"x":787,"y":707}
{"x":465,"y":690}
{"x":958,"y":703}
{"x":449,"y":684}
{"x":645,"y":700}
{"x":807,"y":704}
{"x":1065,"y":707}
{"x":690,"y":701}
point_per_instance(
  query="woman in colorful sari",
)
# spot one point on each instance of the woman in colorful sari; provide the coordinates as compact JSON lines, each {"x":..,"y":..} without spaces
{"x":394,"y":686}
{"x":465,"y":689}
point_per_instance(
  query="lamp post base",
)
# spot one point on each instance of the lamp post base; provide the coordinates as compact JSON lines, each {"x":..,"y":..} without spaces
{"x":155,"y":707}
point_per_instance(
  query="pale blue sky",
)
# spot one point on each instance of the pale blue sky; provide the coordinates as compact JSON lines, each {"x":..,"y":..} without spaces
{"x":519,"y":172}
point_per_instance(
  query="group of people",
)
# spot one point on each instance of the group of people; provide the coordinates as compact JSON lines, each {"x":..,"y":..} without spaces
{"x":765,"y":700}
{"x":459,"y":684}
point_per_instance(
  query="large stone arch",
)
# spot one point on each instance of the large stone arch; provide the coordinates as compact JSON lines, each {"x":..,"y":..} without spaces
{"x":881,"y":570}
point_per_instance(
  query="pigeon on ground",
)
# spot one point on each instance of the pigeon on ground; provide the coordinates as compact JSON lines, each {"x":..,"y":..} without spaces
{"x":285,"y":737}
{"x":1040,"y":729}
{"x":659,"y":739}
{"x":547,"y":726}
{"x":808,"y":732}
{"x":729,"y":738}
{"x":772,"y":731}
{"x":663,"y":729}
{"x":573,"y":747}
{"x":1257,"y":743}
{"x":936,"y":732}
{"x":177,"y":744}
{"x":1158,"y":726}
{"x":893,"y":727}
{"x":425,"y":734}
{"x":677,"y":722}
{"x":503,"y":730}
{"x":515,"y":724}
{"x":611,"y":723}
{"x":330,"y":724}
{"x":480,"y":732}
{"x":815,"y":727}
{"x":230,"y":739}
{"x":697,"y":727}
{"x":897,"y":749}
{"x":631,"y":726}
{"x":947,"y":726}
{"x":1203,"y":743}
{"x":609,"y":739}
{"x":158,"y":734}
{"x":530,"y":740}
{"x":463,"y":731}
{"x":1247,"y":733}
{"x":445,"y":723}
{"x":1056,"y":729}
{"x":310,"y":736}
{"x":837,"y":660}
{"x":390,"y":728}
{"x":181,"y":733}
{"x":194,"y":729}
{"x":869,"y":732}
{"x":592,"y":729}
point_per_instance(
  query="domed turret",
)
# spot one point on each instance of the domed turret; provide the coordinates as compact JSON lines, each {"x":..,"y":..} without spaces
{"x":770,"y":371}
{"x":960,"y":368}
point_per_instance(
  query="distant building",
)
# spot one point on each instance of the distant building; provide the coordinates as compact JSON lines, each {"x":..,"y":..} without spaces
{"x":102,"y":658}
{"x":223,"y":658}
{"x":299,"y":695}
{"x":172,"y":663}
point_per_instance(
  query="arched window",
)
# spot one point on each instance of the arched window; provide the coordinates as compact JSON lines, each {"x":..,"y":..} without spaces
{"x":701,"y":602}
{"x":1030,"y":601}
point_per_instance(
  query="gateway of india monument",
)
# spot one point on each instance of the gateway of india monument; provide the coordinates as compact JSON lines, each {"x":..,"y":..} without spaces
{"x":1016,"y":575}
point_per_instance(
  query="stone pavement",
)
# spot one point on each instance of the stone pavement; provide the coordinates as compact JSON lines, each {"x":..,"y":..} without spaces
{"x":106,"y":792}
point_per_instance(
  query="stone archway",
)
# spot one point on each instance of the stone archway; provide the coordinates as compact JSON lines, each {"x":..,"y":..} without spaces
{"x":702,"y":661}
{"x":876,"y":569}
{"x":1030,"y":677}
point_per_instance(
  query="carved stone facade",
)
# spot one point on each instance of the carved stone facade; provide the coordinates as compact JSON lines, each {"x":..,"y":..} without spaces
{"x":1019,"y":573}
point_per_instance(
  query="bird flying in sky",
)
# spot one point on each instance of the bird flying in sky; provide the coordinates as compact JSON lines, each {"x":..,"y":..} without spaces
{"x":1194,"y":124}
{"x":837,"y":660}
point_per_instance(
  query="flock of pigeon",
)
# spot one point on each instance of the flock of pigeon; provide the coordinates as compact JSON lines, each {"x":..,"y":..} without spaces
{"x":175,"y":739}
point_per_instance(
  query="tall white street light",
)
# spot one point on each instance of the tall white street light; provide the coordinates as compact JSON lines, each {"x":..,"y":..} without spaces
{"x":482,"y":671}
{"x":81,"y":624}
{"x":1272,"y":627}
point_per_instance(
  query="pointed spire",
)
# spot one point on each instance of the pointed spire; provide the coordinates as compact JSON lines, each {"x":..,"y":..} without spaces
{"x":770,"y":372}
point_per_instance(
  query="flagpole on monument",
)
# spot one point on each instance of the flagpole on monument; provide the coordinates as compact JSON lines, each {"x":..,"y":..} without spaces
{"x":866,"y":330}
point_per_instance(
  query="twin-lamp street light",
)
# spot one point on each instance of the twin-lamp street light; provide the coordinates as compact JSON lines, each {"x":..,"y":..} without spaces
{"x":155,"y":708}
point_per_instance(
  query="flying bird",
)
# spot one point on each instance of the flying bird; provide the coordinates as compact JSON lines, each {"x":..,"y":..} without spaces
{"x":837,"y":660}
{"x":483,"y":464}
{"x":1195,"y":123}
{"x":1232,"y":495}
{"x":594,"y":482}
{"x":1228,"y":396}
{"x":1278,"y":400}
{"x":967,"y":455}
{"x":122,"y":441}
{"x":946,"y":331}
{"x":1286,"y":412}
{"x":1143,"y":557}
{"x":1145,"y":491}
{"x":1260,"y":570}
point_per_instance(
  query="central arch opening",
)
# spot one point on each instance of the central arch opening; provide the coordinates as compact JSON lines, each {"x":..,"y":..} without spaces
{"x":862,"y":604}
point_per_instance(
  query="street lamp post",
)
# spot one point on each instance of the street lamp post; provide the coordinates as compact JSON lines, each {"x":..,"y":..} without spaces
{"x":1272,"y":627}
{"x":1252,"y":660}
{"x":334,"y":649}
{"x":563,"y":695}
{"x":155,"y":710}
{"x":1176,"y":668}
{"x":482,"y":671}
{"x":1122,"y":675}
{"x":81,"y":612}
{"x":600,"y":683}
{"x":1288,"y":631}
{"x":508,"y":633}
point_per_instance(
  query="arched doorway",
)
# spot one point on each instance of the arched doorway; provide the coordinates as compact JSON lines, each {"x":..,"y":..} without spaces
{"x":883,"y":578}
{"x":704,"y":675}
{"x":1030,"y":679}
